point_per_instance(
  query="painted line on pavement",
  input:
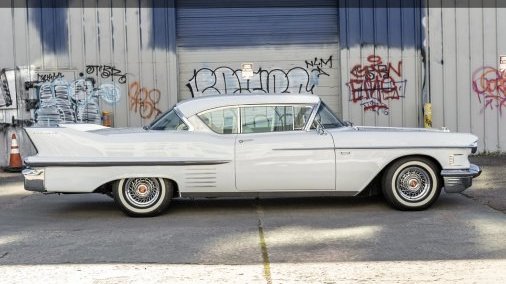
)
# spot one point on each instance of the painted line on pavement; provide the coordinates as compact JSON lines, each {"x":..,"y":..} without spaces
{"x":263,"y":244}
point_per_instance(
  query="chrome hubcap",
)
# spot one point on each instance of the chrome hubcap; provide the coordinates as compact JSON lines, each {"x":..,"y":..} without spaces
{"x":413,"y":183}
{"x":142,"y":192}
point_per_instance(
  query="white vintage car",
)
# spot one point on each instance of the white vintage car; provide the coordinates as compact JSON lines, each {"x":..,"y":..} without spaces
{"x":249,"y":145}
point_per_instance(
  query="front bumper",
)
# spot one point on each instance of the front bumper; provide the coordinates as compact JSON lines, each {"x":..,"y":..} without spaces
{"x":34,"y":179}
{"x":456,"y":181}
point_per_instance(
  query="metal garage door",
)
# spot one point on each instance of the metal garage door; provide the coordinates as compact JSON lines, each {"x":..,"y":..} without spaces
{"x":258,"y":46}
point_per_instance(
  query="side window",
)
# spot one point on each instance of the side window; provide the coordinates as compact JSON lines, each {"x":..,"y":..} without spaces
{"x":259,"y":119}
{"x":326,"y":118}
{"x":301,"y":116}
{"x":222,"y":121}
{"x":283,"y":118}
{"x":169,"y":121}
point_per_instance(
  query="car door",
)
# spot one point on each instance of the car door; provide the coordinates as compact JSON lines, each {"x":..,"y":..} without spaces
{"x":273,"y":151}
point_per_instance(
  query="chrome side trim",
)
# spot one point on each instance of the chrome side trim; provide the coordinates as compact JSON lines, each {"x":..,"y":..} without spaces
{"x":286,"y":194}
{"x":34,"y":179}
{"x":377,"y":147}
{"x":303,"y":149}
{"x":458,"y":180}
{"x":124,"y":163}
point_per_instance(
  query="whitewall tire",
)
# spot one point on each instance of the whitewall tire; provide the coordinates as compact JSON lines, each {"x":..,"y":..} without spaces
{"x":412,"y":183}
{"x":142,"y":196}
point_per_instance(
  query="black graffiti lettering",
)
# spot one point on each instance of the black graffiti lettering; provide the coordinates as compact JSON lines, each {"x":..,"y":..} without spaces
{"x":91,"y":69}
{"x":227,"y":80}
{"x":122,"y":79}
{"x":49,"y":77}
{"x":321,"y":71}
{"x":319,"y":62}
{"x":107,"y":71}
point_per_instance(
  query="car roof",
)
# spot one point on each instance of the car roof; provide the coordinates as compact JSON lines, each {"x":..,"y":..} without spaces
{"x":200,"y":104}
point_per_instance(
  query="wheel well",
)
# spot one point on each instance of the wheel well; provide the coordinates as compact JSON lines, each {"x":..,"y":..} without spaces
{"x":374,"y":187}
{"x":106,"y":188}
{"x":438,"y":165}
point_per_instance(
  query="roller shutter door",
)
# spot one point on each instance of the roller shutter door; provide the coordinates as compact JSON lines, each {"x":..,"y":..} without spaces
{"x":290,"y":47}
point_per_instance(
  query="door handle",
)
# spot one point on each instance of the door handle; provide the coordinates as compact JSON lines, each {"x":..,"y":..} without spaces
{"x":245,"y":140}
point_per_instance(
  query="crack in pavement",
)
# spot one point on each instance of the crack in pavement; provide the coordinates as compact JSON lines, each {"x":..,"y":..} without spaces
{"x":263,"y":244}
{"x":476,"y":199}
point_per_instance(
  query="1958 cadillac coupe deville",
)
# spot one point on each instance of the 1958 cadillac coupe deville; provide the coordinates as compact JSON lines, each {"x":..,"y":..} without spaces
{"x":249,"y":145}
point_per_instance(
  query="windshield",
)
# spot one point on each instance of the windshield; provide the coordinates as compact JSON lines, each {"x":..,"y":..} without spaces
{"x":326,"y":118}
{"x":168,"y":121}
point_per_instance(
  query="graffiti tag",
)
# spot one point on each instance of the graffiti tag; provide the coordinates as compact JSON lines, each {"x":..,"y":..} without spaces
{"x":49,"y":77}
{"x":106,"y":71}
{"x":61,"y":101}
{"x":227,"y":80}
{"x":109,"y":92}
{"x":319,"y":64}
{"x":144,"y":101}
{"x":5,"y":95}
{"x":64,"y":102}
{"x":489,"y":85}
{"x":374,"y":84}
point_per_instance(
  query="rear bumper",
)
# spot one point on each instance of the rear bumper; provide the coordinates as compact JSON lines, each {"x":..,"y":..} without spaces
{"x":456,"y":181}
{"x":34,"y":179}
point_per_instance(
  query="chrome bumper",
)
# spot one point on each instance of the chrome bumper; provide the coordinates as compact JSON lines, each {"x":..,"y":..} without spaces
{"x":34,"y":179}
{"x":456,"y":181}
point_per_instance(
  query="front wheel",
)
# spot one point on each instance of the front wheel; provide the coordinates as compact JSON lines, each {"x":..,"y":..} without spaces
{"x":411,"y":184}
{"x":142,"y":197}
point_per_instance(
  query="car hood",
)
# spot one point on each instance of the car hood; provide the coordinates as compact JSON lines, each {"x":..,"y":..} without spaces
{"x":116,"y":131}
{"x":393,"y":137}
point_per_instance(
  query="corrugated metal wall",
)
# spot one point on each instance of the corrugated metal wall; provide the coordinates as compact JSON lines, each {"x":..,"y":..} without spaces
{"x":381,"y":62}
{"x":127,"y":46}
{"x":367,"y":57}
{"x":466,"y":86}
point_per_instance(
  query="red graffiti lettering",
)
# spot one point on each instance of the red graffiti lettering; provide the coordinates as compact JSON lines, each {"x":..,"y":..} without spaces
{"x":489,"y":85}
{"x":375,"y":83}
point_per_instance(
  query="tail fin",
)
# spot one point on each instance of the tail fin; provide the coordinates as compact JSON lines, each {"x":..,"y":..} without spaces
{"x":64,"y":142}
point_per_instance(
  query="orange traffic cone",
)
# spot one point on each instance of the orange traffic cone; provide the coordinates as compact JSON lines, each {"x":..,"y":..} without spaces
{"x":15,"y":163}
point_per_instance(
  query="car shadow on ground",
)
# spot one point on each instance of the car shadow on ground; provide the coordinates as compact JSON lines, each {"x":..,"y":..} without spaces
{"x":69,"y":207}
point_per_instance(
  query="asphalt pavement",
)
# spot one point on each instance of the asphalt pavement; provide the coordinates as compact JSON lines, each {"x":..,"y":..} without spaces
{"x":85,"y":238}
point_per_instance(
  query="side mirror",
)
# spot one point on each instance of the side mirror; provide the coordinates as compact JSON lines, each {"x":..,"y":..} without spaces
{"x":319,"y":127}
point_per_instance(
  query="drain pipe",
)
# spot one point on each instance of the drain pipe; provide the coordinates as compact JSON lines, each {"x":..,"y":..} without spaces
{"x":426,"y":100}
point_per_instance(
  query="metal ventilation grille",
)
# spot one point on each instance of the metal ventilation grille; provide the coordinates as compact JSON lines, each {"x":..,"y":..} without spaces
{"x":200,"y":178}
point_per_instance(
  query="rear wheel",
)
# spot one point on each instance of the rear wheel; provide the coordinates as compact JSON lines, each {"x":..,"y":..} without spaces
{"x":142,"y":196}
{"x":411,"y":184}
